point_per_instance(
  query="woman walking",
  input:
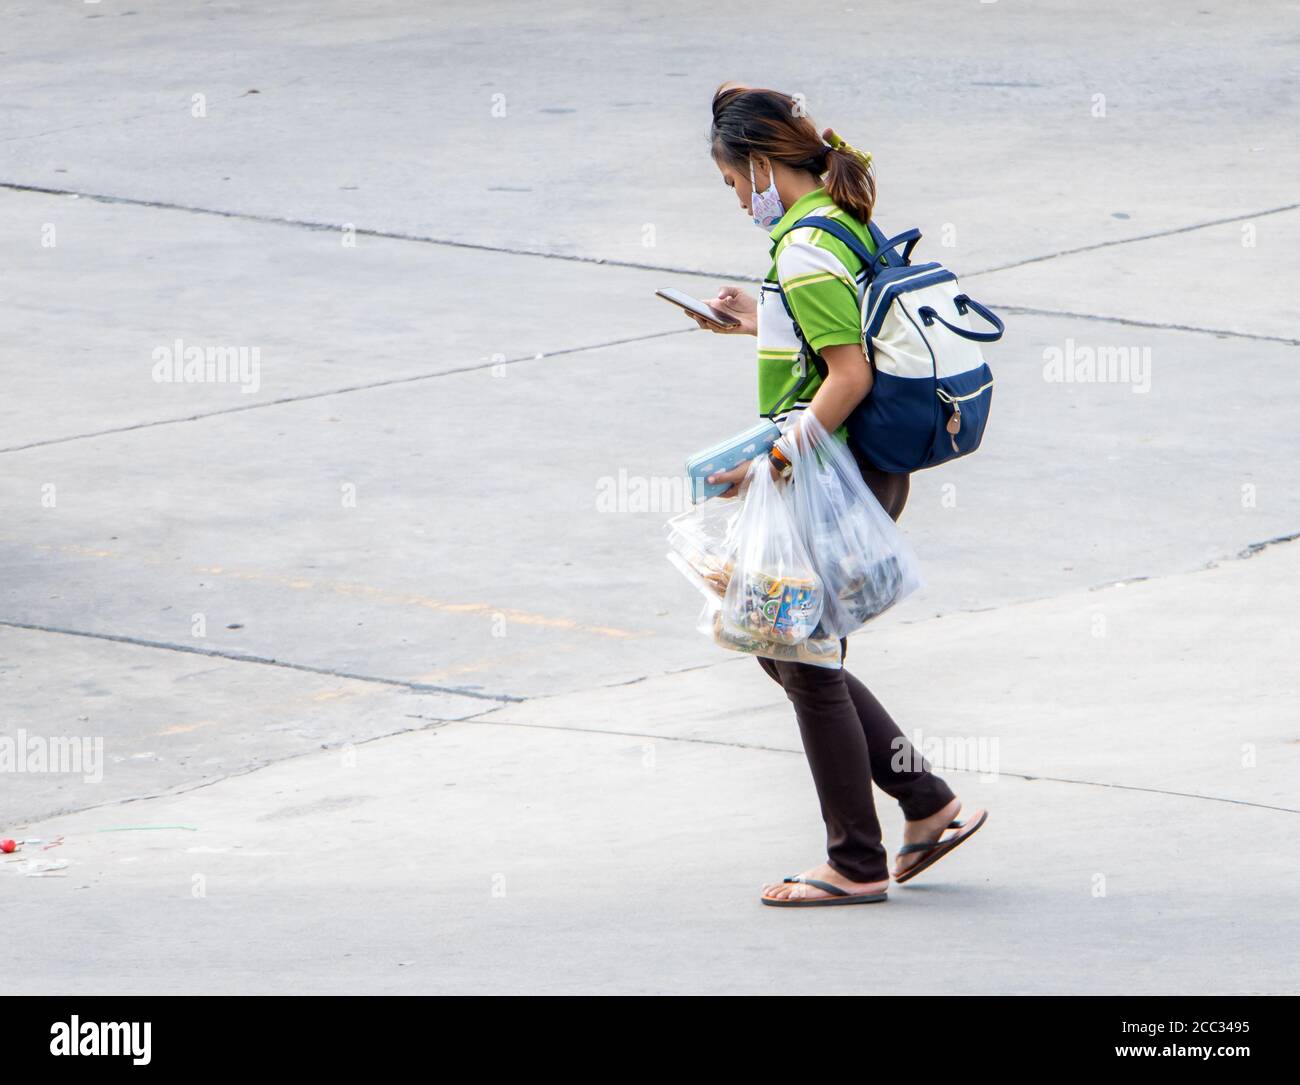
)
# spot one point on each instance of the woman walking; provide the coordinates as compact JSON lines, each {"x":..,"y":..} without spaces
{"x":782,"y":169}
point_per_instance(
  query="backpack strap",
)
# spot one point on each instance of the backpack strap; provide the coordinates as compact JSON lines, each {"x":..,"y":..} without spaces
{"x":819,"y":366}
{"x":886,"y":251}
{"x":843,"y":234}
{"x":792,"y":396}
{"x":885,"y":247}
{"x":878,"y":238}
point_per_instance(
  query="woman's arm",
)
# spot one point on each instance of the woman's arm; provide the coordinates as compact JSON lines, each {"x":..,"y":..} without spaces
{"x":848,"y":381}
{"x":822,"y":294}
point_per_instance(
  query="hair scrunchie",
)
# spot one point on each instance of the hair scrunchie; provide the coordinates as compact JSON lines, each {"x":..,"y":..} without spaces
{"x":838,"y":144}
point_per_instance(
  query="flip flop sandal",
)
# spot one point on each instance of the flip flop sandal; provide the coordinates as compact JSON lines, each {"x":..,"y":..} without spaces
{"x":937,"y":849}
{"x":838,"y":896}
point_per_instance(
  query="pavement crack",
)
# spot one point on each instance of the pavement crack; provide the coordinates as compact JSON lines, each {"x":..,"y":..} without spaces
{"x":265,"y":661}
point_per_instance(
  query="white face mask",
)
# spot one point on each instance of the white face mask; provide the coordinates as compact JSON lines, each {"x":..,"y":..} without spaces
{"x":764,"y":206}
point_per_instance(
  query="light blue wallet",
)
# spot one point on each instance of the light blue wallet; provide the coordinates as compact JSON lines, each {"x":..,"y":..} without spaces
{"x":730,"y":453}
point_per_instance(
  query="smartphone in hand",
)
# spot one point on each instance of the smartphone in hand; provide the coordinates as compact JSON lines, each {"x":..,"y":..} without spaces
{"x":705,"y":312}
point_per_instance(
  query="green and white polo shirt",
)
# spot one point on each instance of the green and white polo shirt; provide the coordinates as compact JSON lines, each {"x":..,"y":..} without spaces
{"x":824,"y":284}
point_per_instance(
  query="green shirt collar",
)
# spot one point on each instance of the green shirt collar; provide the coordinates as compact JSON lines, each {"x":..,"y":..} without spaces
{"x":818,"y":197}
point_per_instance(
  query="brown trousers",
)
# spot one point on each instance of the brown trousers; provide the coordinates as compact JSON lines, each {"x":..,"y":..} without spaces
{"x":850,"y":740}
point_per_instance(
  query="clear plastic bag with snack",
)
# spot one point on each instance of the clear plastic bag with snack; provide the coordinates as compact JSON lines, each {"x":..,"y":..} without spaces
{"x":862,"y":558}
{"x":745,"y":555}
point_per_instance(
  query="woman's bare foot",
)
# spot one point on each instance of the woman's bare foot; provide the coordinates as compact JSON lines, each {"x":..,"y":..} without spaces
{"x":823,"y":873}
{"x":926,"y":831}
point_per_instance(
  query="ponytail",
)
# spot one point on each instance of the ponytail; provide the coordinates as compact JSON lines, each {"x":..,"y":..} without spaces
{"x":850,"y":180}
{"x":749,"y":121}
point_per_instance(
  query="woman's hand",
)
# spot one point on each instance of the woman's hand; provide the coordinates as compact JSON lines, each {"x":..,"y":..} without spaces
{"x":737,"y":475}
{"x":735,"y":303}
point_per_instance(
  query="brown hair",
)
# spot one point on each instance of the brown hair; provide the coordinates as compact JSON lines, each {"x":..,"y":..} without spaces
{"x":752,"y":120}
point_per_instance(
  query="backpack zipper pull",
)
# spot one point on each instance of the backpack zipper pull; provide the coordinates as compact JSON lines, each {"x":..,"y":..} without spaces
{"x":954,"y":426}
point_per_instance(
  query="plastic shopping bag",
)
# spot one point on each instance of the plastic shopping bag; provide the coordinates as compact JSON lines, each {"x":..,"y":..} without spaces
{"x":703,"y":540}
{"x":864,"y":562}
{"x":706,"y":544}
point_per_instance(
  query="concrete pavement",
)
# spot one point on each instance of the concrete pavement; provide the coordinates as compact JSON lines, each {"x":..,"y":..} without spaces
{"x":613,"y":840}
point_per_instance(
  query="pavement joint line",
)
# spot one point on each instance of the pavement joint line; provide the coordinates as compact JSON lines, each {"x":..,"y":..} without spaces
{"x":1130,"y":240}
{"x":399,"y":235}
{"x":387,"y":235}
{"x":306,"y":396}
{"x":1025,"y":310}
{"x":438,"y":722}
{"x":1219,"y":333}
{"x":1249,"y":551}
{"x":247,"y":770}
{"x":266,"y":661}
{"x":478,"y":721}
{"x":636,"y":265}
{"x":1254,"y":548}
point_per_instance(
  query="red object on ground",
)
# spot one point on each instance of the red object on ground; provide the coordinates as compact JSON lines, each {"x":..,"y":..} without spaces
{"x":7,"y":846}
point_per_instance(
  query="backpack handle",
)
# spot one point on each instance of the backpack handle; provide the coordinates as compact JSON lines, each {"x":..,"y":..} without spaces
{"x":910,"y":236}
{"x":929,"y":316}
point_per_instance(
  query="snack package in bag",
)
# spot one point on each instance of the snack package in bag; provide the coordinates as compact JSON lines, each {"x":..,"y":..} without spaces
{"x":864,"y":562}
{"x":745,"y":558}
{"x":773,"y":594}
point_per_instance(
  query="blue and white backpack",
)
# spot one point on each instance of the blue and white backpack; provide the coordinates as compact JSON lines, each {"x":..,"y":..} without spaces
{"x":930,"y":399}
